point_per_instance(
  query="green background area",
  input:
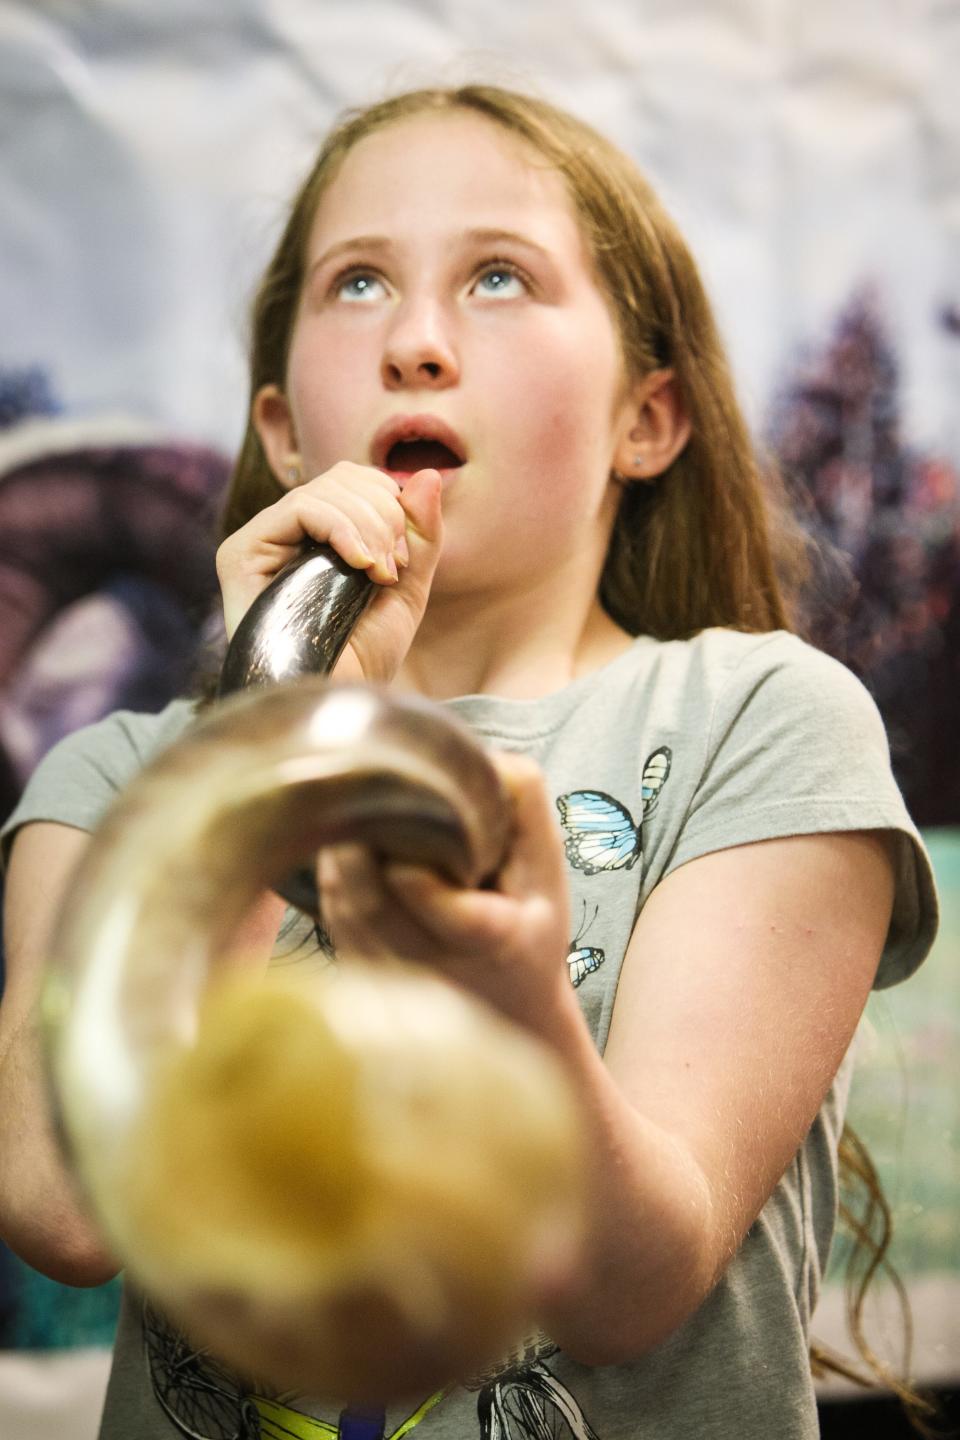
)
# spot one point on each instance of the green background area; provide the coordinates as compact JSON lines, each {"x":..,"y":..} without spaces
{"x":905,"y":1098}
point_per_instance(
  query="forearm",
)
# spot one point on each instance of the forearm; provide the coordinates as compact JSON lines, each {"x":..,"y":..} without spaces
{"x":42,"y":1217}
{"x":653,"y":1249}
{"x":42,"y":1214}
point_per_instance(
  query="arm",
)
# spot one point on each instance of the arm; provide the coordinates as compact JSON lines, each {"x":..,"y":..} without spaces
{"x":362,"y":513}
{"x":740,"y":992}
{"x":41,"y":1213}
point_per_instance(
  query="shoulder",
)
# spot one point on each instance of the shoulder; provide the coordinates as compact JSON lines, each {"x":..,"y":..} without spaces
{"x":122,"y":742}
{"x":785,"y":728}
{"x":775,"y":689}
{"x":747,"y":656}
{"x":79,"y":776}
{"x":782,"y":682}
{"x":738,"y":662}
{"x":793,"y":744}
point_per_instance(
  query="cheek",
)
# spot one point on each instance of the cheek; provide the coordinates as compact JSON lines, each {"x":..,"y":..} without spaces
{"x":563,"y":423}
{"x":325,"y":384}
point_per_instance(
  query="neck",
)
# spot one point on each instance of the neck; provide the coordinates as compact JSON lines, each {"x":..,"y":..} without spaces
{"x":520,"y":644}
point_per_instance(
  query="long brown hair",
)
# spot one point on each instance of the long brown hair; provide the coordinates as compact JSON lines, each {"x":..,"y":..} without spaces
{"x":715,"y":541}
{"x":712,"y":542}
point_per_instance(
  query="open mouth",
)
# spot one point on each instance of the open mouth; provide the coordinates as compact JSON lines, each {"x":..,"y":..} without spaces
{"x":407,"y":456}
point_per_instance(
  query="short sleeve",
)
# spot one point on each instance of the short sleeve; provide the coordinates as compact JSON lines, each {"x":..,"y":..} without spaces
{"x":78,"y":779}
{"x":797,"y":746}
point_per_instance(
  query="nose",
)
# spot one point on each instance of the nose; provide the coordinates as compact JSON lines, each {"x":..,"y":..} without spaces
{"x":419,"y":350}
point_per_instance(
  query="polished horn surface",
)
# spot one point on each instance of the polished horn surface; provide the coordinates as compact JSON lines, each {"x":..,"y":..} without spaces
{"x":299,"y":624}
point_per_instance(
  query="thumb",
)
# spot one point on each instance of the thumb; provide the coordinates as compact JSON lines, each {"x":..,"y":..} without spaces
{"x":421,"y":501}
{"x":386,"y":630}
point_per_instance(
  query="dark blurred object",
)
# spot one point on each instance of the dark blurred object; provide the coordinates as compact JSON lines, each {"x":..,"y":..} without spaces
{"x":8,"y":1298}
{"x":106,"y":577}
{"x":25,"y":392}
{"x":886,"y":597}
{"x":883,"y":1419}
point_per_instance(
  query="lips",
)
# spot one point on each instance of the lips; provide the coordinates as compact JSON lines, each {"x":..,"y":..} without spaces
{"x":407,"y":443}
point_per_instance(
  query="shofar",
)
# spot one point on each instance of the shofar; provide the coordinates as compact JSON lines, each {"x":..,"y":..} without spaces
{"x":265,"y":1154}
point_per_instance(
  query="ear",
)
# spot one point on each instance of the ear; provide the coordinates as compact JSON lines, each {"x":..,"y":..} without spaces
{"x":654,"y":429}
{"x":270,"y":414}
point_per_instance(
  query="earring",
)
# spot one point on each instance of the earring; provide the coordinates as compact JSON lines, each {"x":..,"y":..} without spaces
{"x":293,"y":474}
{"x":639,"y":461}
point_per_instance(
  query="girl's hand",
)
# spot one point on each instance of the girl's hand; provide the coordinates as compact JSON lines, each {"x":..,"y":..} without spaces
{"x":394,"y":535}
{"x":507,"y":944}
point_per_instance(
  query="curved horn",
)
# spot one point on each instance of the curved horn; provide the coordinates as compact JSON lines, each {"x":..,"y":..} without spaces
{"x":299,"y":624}
{"x":262,"y":1154}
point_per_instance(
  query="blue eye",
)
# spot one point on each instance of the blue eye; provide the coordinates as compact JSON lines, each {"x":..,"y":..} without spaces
{"x":361,"y":285}
{"x":501,"y":279}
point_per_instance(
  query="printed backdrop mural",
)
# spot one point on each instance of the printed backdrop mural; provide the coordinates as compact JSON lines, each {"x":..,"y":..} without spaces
{"x":810,"y":153}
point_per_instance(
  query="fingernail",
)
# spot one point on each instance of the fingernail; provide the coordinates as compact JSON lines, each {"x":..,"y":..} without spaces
{"x":391,"y":565}
{"x":401,"y":551}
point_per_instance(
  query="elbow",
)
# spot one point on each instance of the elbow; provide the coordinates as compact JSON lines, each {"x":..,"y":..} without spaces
{"x":669,"y":1274}
{"x":627,"y":1332}
{"x":83,"y":1267}
{"x":627,"y":1336}
{"x":72,"y":1254}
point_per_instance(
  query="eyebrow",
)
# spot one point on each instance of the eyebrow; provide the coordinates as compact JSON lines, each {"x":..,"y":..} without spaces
{"x":383,"y":244}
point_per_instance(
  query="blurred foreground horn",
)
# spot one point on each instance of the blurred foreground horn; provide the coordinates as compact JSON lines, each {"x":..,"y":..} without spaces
{"x":267,"y":1156}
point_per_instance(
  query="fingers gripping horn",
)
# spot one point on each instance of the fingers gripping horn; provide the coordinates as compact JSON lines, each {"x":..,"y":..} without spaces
{"x":271,"y":1158}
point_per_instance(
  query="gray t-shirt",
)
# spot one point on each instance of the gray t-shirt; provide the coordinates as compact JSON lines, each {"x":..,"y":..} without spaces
{"x":672,"y":750}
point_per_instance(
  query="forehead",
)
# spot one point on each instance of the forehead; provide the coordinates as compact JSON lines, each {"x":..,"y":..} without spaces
{"x":446,"y":171}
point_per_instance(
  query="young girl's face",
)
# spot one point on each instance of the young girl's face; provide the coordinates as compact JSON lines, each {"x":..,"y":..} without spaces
{"x":449,"y":294}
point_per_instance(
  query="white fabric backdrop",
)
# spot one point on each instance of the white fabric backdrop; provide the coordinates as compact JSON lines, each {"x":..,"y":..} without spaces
{"x":146,"y":153}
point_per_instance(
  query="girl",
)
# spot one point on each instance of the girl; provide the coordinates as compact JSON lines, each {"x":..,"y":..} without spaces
{"x":485,"y":371}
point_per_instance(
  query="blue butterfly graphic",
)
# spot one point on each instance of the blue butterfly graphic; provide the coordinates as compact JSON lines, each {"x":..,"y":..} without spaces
{"x":583,"y":960}
{"x":601,"y":833}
